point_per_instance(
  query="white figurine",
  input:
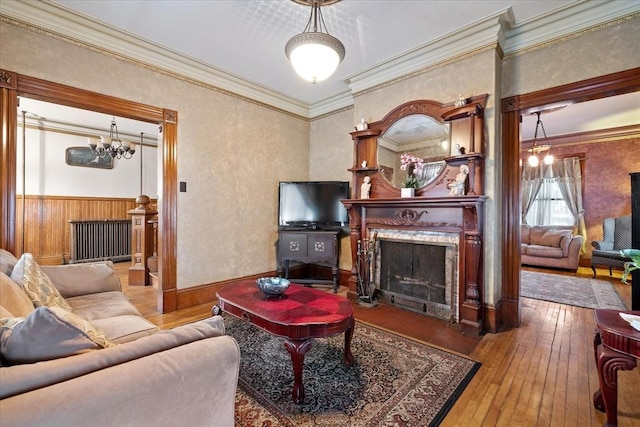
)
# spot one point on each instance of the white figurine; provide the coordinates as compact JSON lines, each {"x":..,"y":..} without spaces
{"x":364,"y":164}
{"x":457,"y":186}
{"x":365,"y":188}
{"x":362,"y":125}
{"x":460,"y":102}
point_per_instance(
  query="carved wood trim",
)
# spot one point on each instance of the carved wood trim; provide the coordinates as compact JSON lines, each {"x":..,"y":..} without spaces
{"x":79,"y":98}
{"x":462,"y":215}
{"x":512,"y":107}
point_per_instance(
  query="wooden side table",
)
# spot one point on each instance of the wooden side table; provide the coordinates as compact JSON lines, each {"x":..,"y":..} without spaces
{"x":616,"y":346}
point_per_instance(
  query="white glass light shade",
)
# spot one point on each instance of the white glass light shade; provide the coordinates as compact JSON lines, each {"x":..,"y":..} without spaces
{"x":533,"y":161}
{"x":548,"y":159}
{"x":314,"y":56}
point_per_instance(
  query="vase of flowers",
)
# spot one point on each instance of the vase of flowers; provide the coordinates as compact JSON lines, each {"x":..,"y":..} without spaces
{"x":413,"y":166}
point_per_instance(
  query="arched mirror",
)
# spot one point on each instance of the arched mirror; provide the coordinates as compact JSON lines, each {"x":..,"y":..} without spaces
{"x":413,"y":141}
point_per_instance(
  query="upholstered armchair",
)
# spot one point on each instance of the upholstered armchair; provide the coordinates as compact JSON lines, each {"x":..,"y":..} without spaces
{"x":616,"y":236}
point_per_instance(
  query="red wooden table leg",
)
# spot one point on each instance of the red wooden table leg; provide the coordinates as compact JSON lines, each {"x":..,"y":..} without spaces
{"x":297,"y":350}
{"x":609,"y":363}
{"x":348,"y":357}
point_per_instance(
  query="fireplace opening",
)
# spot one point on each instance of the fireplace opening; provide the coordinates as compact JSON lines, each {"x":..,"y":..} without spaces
{"x":414,"y":270}
{"x":417,"y":270}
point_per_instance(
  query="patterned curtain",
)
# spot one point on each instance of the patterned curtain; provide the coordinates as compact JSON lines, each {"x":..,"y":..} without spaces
{"x":532,"y":178}
{"x":569,"y":178}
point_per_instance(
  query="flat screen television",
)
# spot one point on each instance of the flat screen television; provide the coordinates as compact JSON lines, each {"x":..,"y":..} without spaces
{"x":312,"y":205}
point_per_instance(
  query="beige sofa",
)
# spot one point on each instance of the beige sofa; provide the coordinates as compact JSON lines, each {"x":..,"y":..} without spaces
{"x":101,"y":363}
{"x":550,"y":246}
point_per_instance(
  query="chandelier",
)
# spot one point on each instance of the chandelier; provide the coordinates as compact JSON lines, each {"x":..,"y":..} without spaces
{"x":314,"y":53}
{"x":113,"y":145}
{"x":537,"y":149}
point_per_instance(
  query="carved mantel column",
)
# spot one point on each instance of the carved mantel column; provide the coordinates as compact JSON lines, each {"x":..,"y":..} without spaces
{"x":142,"y":242}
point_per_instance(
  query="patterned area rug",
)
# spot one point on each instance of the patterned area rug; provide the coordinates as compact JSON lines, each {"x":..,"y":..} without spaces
{"x":578,"y":291}
{"x":393,"y":381}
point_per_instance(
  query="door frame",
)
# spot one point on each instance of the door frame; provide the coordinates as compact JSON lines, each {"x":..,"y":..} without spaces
{"x":14,"y":85}
{"x":511,"y":109}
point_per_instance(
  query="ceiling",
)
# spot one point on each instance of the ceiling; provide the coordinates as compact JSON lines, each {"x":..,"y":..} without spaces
{"x":246,"y":39}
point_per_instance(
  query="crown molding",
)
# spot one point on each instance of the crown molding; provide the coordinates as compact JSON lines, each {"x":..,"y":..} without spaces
{"x":334,"y":103}
{"x":495,"y":30}
{"x":564,"y":21}
{"x":83,"y":29}
{"x":474,"y":36}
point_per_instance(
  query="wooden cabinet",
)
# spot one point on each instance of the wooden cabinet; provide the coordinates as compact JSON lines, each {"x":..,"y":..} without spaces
{"x":309,"y":247}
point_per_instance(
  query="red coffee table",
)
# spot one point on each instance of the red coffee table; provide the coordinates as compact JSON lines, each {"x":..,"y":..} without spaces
{"x":299,"y":315}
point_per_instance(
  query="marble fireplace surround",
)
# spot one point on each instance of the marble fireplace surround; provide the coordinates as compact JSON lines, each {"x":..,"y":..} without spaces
{"x":450,"y":242}
{"x":461,"y":216}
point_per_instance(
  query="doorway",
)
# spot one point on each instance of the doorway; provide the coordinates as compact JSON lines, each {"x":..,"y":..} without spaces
{"x":14,"y":85}
{"x":512,"y":107}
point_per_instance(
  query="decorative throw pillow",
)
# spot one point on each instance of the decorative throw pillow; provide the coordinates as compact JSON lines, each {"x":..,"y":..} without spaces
{"x":36,"y":284}
{"x":48,"y":333}
{"x":552,"y":238}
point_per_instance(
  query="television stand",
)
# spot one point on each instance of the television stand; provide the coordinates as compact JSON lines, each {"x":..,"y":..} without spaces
{"x":309,"y":247}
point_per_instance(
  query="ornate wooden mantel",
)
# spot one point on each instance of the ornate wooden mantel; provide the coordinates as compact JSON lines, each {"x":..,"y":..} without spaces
{"x":433,"y":209}
{"x":461,"y":215}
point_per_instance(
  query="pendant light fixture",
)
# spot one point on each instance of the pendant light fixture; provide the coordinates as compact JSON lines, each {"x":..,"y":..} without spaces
{"x":314,"y":53}
{"x":536,"y":149}
{"x":113,"y":145}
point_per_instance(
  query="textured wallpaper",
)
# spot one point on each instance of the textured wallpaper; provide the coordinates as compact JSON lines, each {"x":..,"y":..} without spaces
{"x":232,"y":153}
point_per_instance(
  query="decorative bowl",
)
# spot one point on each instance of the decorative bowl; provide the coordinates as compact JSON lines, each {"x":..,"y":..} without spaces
{"x":273,"y":286}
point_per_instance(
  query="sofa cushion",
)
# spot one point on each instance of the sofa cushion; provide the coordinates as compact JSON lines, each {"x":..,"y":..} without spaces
{"x":36,"y":284}
{"x":524,"y":233}
{"x":121,"y":329}
{"x":81,"y":279}
{"x":535,"y":235}
{"x":7,"y":262}
{"x":13,"y":297}
{"x":544,"y":251}
{"x":102,"y":306}
{"x":4,"y":312}
{"x":48,"y":333}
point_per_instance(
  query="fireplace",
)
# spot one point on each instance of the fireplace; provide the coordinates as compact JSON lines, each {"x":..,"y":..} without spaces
{"x":452,"y":223}
{"x":417,"y":270}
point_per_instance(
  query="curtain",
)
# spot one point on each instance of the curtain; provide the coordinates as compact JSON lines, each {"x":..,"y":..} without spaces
{"x":430,"y":171}
{"x":532,"y":178}
{"x":569,"y":179}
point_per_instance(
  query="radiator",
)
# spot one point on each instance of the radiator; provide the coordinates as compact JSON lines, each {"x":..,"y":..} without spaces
{"x":100,"y":240}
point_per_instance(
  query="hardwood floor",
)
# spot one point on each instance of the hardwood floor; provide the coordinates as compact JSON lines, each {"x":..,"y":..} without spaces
{"x":541,"y":374}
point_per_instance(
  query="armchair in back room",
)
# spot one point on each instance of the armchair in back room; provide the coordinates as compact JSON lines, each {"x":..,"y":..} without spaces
{"x":616,"y":234}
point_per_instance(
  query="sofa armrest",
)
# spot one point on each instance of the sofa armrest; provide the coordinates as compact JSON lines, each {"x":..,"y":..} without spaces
{"x":574,"y":252}
{"x":82,"y":279}
{"x":25,"y":378}
{"x":193,"y":385}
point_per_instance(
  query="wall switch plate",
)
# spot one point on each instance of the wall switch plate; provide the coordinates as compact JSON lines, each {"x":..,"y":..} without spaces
{"x":183,"y":187}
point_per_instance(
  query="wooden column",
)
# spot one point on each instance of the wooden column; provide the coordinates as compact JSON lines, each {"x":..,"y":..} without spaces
{"x":142,"y":244}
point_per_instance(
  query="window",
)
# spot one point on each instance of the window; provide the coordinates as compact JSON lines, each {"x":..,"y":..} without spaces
{"x":549,"y":206}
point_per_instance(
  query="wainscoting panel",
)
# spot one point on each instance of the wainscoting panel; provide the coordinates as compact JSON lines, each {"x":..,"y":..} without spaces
{"x":48,"y":233}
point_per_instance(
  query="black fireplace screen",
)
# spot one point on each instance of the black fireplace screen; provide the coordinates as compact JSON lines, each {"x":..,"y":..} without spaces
{"x":414,"y":270}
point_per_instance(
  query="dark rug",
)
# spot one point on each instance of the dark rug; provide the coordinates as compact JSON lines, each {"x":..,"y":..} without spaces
{"x":577,"y":291}
{"x":393,"y":381}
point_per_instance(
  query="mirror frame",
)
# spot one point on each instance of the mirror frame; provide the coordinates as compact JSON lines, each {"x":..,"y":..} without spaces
{"x":467,"y":126}
{"x":427,"y":108}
